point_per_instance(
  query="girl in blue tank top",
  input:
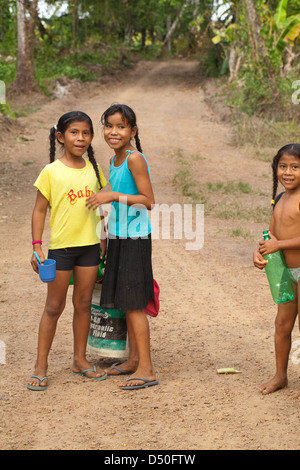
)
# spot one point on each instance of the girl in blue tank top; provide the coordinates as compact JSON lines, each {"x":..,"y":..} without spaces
{"x":127,"y":221}
{"x":128,"y":277}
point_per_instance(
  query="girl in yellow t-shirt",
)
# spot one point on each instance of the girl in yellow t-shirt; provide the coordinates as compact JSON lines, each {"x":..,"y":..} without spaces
{"x":63,"y":186}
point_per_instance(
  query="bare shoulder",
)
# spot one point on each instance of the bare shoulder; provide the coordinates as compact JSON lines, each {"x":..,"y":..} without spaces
{"x":286,"y":217}
{"x":289,"y":203}
{"x":135,"y":154}
{"x":136,"y":161}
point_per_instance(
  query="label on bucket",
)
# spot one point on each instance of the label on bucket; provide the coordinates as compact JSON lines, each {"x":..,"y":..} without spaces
{"x":108,"y":330}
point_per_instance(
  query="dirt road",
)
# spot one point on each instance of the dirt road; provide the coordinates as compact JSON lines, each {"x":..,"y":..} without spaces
{"x":216,"y":309}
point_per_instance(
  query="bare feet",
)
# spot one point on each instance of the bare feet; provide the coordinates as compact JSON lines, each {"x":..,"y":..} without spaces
{"x":273,"y":385}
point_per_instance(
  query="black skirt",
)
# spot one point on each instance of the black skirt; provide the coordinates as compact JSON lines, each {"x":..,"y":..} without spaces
{"x":128,"y":277}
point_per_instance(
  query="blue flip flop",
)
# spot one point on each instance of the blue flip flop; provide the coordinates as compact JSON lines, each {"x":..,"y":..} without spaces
{"x":37,"y":388}
{"x":147,"y":383}
{"x":83,"y":373}
{"x":119,"y":369}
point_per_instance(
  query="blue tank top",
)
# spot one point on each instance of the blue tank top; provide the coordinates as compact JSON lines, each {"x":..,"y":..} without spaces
{"x":126,"y":221}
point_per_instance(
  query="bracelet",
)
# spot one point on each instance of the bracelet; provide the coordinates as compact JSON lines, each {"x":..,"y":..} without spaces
{"x":37,"y":241}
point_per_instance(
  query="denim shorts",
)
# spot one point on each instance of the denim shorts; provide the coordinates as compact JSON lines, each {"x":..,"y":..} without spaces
{"x":67,"y":258}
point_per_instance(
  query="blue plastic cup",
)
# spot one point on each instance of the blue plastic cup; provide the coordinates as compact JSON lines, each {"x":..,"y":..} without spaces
{"x":47,"y":271}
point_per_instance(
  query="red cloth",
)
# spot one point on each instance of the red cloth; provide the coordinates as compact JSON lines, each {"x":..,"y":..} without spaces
{"x":152,"y":308}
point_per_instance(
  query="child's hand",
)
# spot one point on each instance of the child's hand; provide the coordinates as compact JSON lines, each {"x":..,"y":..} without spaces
{"x":258,"y":259}
{"x":97,"y":199}
{"x":103,"y":245}
{"x":93,"y":201}
{"x":34,"y":261}
{"x":268,"y":246}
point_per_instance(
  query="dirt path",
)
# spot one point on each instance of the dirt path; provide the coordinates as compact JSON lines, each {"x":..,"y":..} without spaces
{"x":216,"y":309}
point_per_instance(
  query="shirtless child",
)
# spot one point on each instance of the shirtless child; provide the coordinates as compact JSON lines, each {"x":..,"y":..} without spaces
{"x":285,"y":236}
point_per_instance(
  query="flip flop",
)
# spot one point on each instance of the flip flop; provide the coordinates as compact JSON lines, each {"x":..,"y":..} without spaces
{"x":147,"y":383}
{"x":83,"y":373}
{"x":119,"y":369}
{"x":37,"y":388}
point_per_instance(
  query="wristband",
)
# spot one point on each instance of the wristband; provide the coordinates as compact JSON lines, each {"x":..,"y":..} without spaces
{"x":37,"y":241}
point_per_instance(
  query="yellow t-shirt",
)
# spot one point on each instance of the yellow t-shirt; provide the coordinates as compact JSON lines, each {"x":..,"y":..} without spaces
{"x":66,"y":189}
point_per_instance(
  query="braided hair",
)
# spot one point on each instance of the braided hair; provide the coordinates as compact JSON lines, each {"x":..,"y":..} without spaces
{"x":289,"y":149}
{"x":63,"y":123}
{"x":128,"y":115}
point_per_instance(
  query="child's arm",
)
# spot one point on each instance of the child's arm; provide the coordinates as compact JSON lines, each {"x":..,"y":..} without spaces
{"x":103,"y":248}
{"x":265,"y":244}
{"x":258,"y":259}
{"x":138,"y":167}
{"x":103,"y":241}
{"x":37,"y":226}
{"x":145,"y":198}
{"x":270,"y":246}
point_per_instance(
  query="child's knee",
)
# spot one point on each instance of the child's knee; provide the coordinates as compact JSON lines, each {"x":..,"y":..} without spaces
{"x":82,"y":302}
{"x":284,"y":326}
{"x":54,"y":310}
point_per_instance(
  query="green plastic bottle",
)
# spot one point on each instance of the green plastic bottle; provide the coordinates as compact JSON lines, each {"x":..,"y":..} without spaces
{"x":279,"y":278}
{"x":101,"y":268}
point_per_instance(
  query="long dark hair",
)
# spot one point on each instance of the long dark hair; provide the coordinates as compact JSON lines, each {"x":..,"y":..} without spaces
{"x":63,"y":123}
{"x":128,"y":115}
{"x":289,"y":149}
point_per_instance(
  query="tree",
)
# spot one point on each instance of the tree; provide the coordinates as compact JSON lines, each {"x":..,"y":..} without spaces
{"x":25,"y":81}
{"x":258,"y":40}
{"x":257,"y":36}
{"x":173,"y":26}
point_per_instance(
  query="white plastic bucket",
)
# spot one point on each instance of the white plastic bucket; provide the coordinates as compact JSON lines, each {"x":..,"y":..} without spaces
{"x":108,"y":331}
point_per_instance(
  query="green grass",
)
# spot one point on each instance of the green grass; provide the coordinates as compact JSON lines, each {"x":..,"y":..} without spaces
{"x":224,"y":207}
{"x":230,"y":187}
{"x":231,"y":212}
{"x":184,"y":182}
{"x":263,"y":134}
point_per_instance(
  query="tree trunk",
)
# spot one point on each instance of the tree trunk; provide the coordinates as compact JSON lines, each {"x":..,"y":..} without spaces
{"x":192,"y":34}
{"x":74,"y":21}
{"x":257,"y":49}
{"x":171,"y":30}
{"x":25,"y":81}
{"x":167,"y":41}
{"x":144,"y":34}
{"x":36,"y":21}
{"x":234,"y":64}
